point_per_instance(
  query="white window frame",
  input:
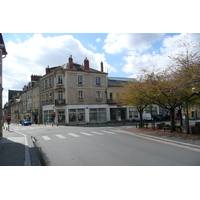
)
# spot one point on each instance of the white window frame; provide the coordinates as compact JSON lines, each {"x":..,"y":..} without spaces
{"x":98,"y":95}
{"x":60,"y":95}
{"x":98,"y":80}
{"x":80,"y":95}
{"x":80,"y":76}
{"x":59,"y":79}
{"x":50,"y":81}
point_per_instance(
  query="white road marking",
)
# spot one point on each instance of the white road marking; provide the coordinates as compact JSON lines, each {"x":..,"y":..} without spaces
{"x":98,"y":133}
{"x":74,"y":135}
{"x":46,"y":137}
{"x":108,"y":132}
{"x":60,"y":136}
{"x":87,"y":134}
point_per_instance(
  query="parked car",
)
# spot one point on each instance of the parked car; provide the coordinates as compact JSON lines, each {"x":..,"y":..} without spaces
{"x":26,"y":122}
{"x":157,"y":117}
{"x":145,"y":117}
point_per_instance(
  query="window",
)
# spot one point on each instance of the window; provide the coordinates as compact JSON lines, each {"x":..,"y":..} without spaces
{"x":46,"y":83}
{"x":50,"y":81}
{"x":98,"y":80}
{"x":50,"y":95}
{"x":60,"y":79}
{"x":97,"y":114}
{"x":46,"y":96}
{"x":80,"y":79}
{"x":98,"y":95}
{"x":80,"y":95}
{"x":111,"y":96}
{"x":60,"y":95}
{"x":76,"y":115}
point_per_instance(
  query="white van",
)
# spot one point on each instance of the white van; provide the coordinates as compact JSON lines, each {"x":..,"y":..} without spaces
{"x":145,"y":117}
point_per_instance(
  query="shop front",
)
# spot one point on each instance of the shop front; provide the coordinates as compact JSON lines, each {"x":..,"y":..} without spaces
{"x":87,"y":114}
{"x":48,"y":117}
{"x":118,"y":113}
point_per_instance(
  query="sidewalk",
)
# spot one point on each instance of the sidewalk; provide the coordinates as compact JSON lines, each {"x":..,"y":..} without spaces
{"x":17,"y":150}
{"x":189,"y":140}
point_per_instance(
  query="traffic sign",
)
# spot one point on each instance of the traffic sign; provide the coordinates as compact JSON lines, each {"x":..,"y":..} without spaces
{"x":184,"y":104}
{"x":8,"y":116}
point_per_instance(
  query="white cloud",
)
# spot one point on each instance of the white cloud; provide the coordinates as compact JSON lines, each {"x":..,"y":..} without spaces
{"x":135,"y":60}
{"x":34,"y":54}
{"x":92,"y":47}
{"x":119,"y":42}
{"x":98,"y":40}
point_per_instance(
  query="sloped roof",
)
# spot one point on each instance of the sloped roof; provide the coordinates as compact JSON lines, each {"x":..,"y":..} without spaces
{"x":4,"y":52}
{"x":117,"y":81}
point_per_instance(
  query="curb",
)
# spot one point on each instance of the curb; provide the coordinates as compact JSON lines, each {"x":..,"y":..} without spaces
{"x":163,"y":139}
{"x":31,"y":157}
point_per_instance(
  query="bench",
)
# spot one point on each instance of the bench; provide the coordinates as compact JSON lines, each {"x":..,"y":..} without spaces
{"x":167,"y":127}
{"x":139,"y":125}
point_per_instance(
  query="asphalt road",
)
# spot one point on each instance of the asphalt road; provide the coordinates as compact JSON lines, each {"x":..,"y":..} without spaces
{"x":105,"y":146}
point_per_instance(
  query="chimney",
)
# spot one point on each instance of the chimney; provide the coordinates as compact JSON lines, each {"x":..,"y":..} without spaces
{"x":86,"y":64}
{"x":70,"y":62}
{"x":101,"y":66}
{"x":35,"y":78}
{"x":47,"y":69}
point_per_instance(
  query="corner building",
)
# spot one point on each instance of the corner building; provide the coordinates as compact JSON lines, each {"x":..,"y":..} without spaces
{"x":74,"y":93}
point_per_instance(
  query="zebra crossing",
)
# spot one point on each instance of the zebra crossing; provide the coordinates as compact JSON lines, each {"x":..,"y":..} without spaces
{"x":82,"y":134}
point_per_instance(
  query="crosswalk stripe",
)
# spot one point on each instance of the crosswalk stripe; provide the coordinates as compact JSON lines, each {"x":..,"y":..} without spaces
{"x":87,"y":134}
{"x":60,"y":136}
{"x":46,"y":137}
{"x":74,"y":135}
{"x":108,"y":132}
{"x":98,"y":133}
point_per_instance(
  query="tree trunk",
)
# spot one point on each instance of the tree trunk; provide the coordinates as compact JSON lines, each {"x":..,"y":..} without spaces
{"x":172,"y":119}
{"x":141,"y":118}
{"x":181,"y":117}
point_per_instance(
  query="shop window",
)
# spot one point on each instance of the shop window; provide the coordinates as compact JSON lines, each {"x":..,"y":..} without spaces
{"x":76,"y":115}
{"x":97,"y":114}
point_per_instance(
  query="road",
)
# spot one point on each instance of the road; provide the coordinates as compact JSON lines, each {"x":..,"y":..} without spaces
{"x":105,"y":146}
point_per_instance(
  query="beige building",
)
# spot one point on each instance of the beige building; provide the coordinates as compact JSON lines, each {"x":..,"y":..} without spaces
{"x":16,"y":108}
{"x":74,"y":93}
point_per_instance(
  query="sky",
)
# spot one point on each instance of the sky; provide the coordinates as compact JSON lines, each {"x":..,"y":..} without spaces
{"x":122,"y":54}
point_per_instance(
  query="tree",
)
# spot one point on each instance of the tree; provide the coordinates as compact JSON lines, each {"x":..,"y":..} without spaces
{"x":165,"y":91}
{"x":133,"y":96}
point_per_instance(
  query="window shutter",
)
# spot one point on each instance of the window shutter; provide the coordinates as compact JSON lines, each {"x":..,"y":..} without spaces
{"x":83,"y":79}
{"x":94,"y":80}
{"x":101,"y":80}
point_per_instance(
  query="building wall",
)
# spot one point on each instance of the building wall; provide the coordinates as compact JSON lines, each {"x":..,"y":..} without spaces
{"x":90,"y":90}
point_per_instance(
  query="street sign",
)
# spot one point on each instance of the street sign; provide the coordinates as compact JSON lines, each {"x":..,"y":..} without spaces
{"x":8,"y":116}
{"x":184,"y":104}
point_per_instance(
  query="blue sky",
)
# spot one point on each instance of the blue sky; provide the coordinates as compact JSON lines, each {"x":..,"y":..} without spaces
{"x":123,"y":54}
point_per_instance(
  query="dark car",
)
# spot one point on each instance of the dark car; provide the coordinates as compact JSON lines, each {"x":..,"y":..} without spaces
{"x":26,"y":122}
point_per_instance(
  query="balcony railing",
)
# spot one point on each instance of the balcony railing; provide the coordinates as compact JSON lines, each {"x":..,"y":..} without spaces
{"x":60,"y":102}
{"x":112,"y":101}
